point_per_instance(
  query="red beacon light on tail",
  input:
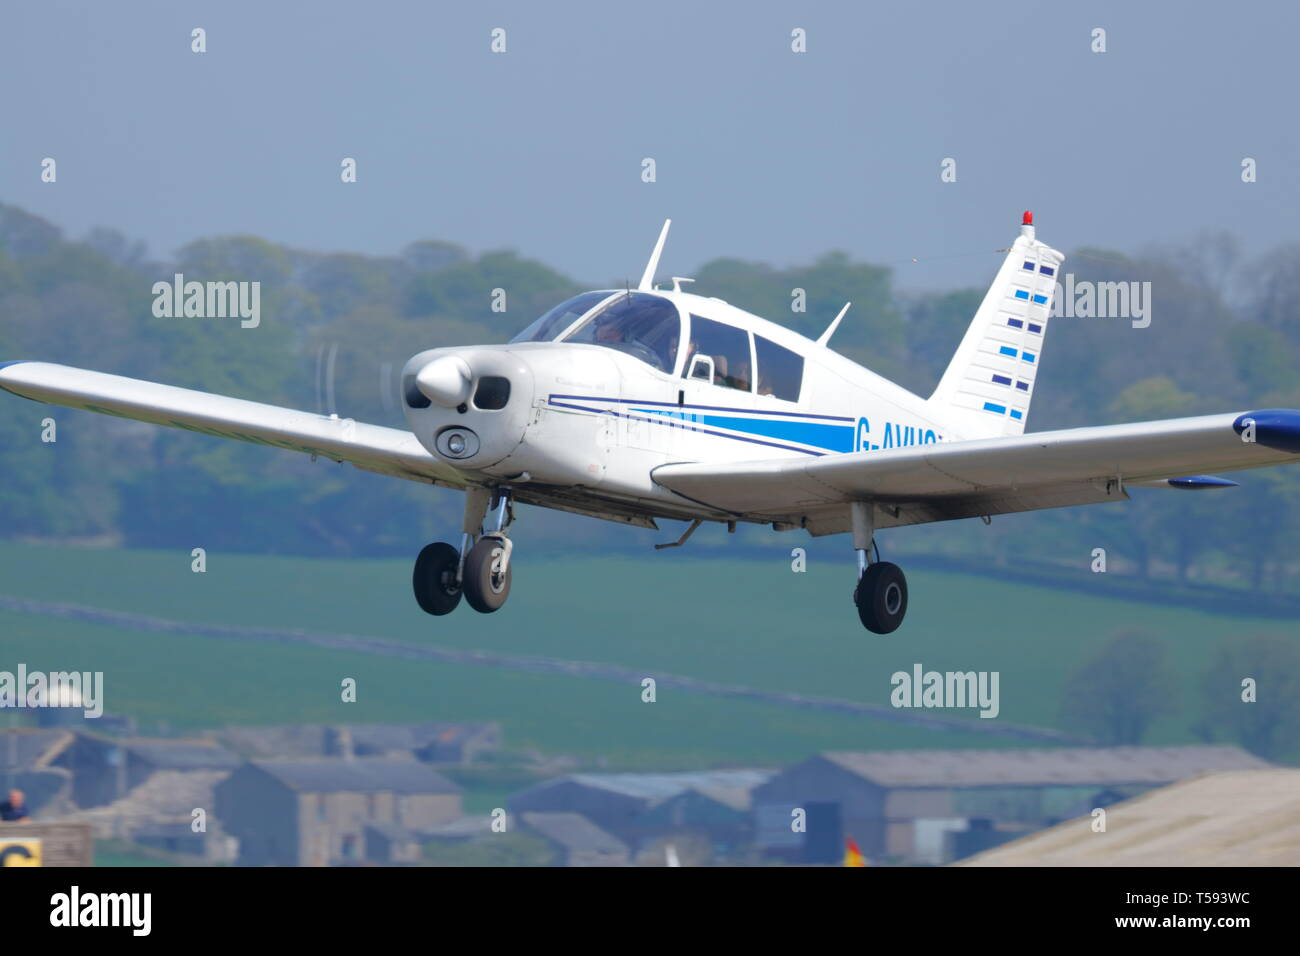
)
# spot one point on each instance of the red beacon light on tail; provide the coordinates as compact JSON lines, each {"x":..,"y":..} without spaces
{"x":1028,"y":220}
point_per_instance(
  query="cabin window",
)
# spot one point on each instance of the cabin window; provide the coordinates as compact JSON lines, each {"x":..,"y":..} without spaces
{"x":554,"y":322}
{"x":780,"y":371}
{"x":727,"y":349}
{"x":644,"y":326}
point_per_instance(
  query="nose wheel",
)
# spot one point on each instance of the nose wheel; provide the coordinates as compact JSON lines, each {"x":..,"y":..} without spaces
{"x":436,"y":579}
{"x":487,"y":574}
{"x":479,"y":570}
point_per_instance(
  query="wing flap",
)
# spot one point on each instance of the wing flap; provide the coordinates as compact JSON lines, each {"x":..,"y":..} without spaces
{"x":834,"y":519}
{"x":948,"y":479}
{"x":389,"y":451}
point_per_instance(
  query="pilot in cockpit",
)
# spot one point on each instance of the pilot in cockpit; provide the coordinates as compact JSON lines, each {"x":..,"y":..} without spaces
{"x":608,"y":329}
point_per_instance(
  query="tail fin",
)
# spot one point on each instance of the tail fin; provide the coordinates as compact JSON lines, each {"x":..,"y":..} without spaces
{"x":986,"y":389}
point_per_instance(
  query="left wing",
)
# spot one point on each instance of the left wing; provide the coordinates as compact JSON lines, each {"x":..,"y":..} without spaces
{"x":965,"y":479}
{"x":389,"y":451}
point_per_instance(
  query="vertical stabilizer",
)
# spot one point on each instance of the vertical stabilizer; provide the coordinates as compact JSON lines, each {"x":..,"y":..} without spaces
{"x":986,"y":390}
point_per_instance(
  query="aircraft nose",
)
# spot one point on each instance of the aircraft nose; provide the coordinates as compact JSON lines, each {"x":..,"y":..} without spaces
{"x":445,"y":381}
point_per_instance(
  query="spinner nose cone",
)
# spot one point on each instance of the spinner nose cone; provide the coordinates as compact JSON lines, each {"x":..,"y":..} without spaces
{"x":445,"y":381}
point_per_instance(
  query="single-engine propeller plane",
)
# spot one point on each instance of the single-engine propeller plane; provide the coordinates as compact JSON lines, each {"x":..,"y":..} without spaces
{"x":639,"y":404}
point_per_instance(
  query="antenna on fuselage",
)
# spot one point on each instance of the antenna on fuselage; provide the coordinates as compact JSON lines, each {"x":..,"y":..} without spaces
{"x":652,"y":266}
{"x":830,"y":329}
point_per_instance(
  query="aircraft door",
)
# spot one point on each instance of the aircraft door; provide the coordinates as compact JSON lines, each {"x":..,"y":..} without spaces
{"x":716,"y":386}
{"x":611,"y":431}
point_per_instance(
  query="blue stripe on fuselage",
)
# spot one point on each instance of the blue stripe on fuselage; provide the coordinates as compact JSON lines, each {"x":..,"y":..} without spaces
{"x":830,"y":437}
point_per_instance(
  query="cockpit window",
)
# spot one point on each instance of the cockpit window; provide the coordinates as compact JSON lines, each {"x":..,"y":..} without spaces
{"x":561,"y":317}
{"x":780,"y":371}
{"x":645,"y":326}
{"x":718,"y":354}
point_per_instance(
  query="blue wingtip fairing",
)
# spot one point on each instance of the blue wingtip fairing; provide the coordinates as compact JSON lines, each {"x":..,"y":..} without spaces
{"x":1274,"y":428}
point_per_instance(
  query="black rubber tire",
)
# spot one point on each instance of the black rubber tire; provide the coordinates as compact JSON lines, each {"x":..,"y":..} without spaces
{"x":485,"y":591}
{"x":434,"y":579}
{"x":881,"y":597}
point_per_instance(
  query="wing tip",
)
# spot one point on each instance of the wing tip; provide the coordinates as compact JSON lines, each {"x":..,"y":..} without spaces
{"x":5,"y":365}
{"x":1272,"y":427}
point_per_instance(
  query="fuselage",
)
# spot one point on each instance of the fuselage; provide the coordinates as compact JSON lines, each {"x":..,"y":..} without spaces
{"x":596,"y":414}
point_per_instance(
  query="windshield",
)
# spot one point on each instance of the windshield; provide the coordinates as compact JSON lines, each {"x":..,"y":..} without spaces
{"x":561,"y":317}
{"x":645,"y":326}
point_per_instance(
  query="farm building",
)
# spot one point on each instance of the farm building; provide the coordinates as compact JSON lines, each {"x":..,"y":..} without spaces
{"x":1232,"y":818}
{"x":638,"y":807}
{"x":314,"y":812}
{"x":933,"y":806}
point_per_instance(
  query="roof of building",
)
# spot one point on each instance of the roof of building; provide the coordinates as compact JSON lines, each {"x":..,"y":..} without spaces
{"x":573,"y":831}
{"x":359,"y":775}
{"x":165,"y":796}
{"x":28,"y":747}
{"x":1060,"y":767}
{"x":663,"y":786}
{"x":180,"y":754}
{"x":1233,"y":818}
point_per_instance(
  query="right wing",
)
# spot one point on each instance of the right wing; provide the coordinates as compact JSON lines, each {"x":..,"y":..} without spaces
{"x":963,"y":479}
{"x":389,"y":451}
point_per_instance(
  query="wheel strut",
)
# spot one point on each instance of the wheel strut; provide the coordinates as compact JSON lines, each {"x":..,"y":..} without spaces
{"x":503,"y":515}
{"x":863,"y":515}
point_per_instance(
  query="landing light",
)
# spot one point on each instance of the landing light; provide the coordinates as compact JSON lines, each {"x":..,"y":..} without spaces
{"x":457,"y":443}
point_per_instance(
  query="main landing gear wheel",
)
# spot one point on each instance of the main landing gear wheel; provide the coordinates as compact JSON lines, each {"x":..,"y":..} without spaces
{"x":434,"y":579}
{"x":486,"y":587}
{"x":881,"y":597}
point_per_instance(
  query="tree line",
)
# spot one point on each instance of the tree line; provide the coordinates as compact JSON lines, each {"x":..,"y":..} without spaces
{"x":336,"y":328}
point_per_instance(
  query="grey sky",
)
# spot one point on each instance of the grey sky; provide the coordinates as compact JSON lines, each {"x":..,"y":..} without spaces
{"x":762,"y":153}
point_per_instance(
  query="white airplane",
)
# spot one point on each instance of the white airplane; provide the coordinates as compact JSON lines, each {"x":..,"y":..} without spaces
{"x":634,"y":405}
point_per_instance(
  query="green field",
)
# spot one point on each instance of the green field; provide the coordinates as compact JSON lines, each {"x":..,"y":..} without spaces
{"x":743,"y":622}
